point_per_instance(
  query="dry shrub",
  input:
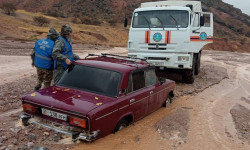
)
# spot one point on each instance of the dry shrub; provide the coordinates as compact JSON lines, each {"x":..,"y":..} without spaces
{"x":112,"y":22}
{"x":76,"y":21}
{"x":90,"y":21}
{"x":41,"y":21}
{"x":8,"y":8}
{"x":248,"y":34}
{"x":53,"y":13}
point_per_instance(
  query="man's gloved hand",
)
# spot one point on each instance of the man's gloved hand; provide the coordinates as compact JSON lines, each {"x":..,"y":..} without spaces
{"x":68,"y":62}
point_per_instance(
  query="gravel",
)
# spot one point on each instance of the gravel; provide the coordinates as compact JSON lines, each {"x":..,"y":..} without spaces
{"x":30,"y":145}
{"x":32,"y":136}
{"x":241,"y":120}
{"x":11,"y":93}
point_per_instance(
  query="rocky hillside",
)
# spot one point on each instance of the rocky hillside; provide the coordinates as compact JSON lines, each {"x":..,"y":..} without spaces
{"x":232,"y":27}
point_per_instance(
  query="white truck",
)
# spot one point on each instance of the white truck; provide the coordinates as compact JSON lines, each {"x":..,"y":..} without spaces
{"x":171,"y":34}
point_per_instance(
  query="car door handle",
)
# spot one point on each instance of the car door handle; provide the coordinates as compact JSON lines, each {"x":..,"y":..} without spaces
{"x":132,"y":100}
{"x":151,"y":92}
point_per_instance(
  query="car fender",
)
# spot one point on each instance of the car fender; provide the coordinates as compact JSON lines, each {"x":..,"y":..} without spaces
{"x":124,"y":115}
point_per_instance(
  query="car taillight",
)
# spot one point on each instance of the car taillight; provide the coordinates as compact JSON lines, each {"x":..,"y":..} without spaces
{"x":29,"y":108}
{"x":77,"y":122}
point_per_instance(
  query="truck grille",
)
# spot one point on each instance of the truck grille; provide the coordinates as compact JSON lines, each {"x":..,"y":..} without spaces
{"x":156,"y":58}
{"x":157,"y":47}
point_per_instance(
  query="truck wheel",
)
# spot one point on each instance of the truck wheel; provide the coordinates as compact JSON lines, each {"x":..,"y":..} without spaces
{"x":198,"y":64}
{"x":121,"y":124}
{"x":188,"y":74}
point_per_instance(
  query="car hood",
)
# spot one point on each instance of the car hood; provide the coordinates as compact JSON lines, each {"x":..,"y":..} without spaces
{"x":67,"y":99}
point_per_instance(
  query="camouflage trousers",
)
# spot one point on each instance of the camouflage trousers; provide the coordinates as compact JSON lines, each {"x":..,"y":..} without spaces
{"x":57,"y":73}
{"x":44,"y":77}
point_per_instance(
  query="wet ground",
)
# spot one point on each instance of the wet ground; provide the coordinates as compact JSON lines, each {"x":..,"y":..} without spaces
{"x":212,"y":113}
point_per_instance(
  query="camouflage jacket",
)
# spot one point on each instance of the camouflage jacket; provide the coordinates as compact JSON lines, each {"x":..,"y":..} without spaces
{"x":58,"y":49}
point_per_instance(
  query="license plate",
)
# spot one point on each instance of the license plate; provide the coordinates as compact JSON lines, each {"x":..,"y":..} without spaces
{"x":54,"y":114}
{"x":158,"y":63}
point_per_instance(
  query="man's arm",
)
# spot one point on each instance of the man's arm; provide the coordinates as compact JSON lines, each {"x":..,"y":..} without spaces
{"x":57,"y":51}
{"x":76,"y":57}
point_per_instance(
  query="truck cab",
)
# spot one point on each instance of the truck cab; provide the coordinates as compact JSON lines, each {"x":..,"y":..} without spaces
{"x":171,"y":34}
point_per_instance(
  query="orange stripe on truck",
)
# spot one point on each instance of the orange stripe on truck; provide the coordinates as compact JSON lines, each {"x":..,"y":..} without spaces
{"x":147,"y":37}
{"x":168,"y":37}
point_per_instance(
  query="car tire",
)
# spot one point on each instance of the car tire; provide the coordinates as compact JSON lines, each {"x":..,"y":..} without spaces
{"x":123,"y":123}
{"x":198,"y":63}
{"x":167,"y":102}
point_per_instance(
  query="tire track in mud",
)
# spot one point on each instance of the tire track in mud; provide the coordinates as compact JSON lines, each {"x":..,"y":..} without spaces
{"x":229,"y":99}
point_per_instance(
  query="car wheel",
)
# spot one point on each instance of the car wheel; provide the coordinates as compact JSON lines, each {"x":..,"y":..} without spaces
{"x":121,"y":124}
{"x":167,"y":102}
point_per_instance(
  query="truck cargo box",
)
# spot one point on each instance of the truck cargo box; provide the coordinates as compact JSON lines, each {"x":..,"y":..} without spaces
{"x":196,"y":4}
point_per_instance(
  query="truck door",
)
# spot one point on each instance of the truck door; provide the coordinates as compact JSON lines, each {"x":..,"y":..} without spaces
{"x":201,"y":30}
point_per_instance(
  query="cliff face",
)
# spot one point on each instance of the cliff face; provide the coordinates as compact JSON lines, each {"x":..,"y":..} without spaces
{"x":232,"y":27}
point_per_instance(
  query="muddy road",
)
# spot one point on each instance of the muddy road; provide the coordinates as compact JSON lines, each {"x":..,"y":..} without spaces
{"x":212,"y":113}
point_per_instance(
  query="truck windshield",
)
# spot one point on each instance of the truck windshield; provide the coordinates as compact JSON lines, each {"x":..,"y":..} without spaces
{"x":91,"y":79}
{"x":161,"y":18}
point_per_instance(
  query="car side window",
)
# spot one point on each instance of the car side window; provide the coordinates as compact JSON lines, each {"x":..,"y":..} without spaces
{"x":151,"y":78}
{"x":138,"y":80}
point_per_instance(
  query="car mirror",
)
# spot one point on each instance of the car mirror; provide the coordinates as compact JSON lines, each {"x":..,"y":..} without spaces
{"x":162,"y":80}
{"x":125,"y":22}
{"x":122,"y":92}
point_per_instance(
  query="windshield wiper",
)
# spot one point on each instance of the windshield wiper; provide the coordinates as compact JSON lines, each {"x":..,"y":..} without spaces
{"x":160,"y":22}
{"x":147,"y":21}
{"x":175,"y":22}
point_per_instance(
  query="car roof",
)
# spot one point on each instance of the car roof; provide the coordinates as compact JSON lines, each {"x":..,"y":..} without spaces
{"x":112,"y":63}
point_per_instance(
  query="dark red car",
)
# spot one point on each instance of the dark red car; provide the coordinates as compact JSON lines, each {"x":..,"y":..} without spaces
{"x":97,"y":96}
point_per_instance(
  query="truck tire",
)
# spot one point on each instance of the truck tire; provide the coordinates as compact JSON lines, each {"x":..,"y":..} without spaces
{"x":188,"y":74}
{"x":198,"y":64}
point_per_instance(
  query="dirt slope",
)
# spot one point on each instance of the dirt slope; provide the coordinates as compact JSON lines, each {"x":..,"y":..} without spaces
{"x":231,"y":27}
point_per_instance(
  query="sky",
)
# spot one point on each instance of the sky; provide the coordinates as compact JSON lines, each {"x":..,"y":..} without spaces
{"x":244,"y":5}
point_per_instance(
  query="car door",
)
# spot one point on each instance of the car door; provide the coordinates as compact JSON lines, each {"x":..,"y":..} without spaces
{"x":156,"y":92}
{"x":138,"y":94}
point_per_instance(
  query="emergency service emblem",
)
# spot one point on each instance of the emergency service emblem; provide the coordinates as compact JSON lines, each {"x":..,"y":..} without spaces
{"x":203,"y":36}
{"x":157,"y":37}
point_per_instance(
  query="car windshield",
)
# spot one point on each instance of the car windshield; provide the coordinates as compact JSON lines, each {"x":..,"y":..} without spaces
{"x":160,"y":19}
{"x":91,"y":79}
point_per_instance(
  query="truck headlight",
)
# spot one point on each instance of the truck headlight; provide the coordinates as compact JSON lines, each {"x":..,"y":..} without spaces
{"x":183,"y":58}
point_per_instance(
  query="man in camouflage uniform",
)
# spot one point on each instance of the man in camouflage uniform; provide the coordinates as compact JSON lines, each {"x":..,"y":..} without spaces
{"x":62,"y":53}
{"x":42,"y":59}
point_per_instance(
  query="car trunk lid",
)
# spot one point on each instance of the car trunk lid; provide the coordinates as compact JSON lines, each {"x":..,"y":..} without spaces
{"x":67,"y":99}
